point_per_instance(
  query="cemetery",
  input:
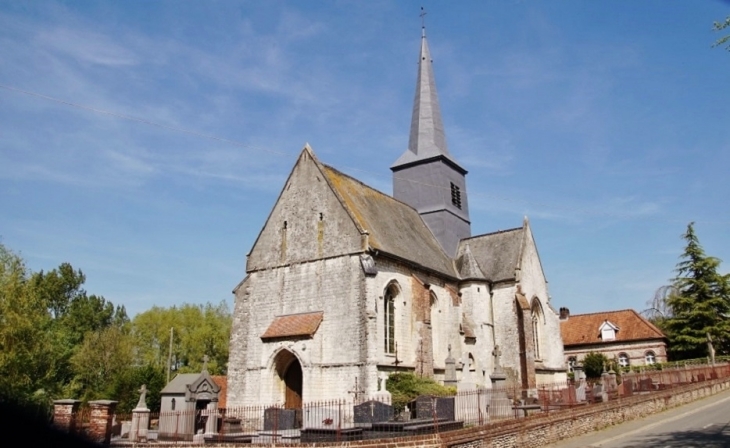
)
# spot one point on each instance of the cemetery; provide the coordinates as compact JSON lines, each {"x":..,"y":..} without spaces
{"x":359,"y":419}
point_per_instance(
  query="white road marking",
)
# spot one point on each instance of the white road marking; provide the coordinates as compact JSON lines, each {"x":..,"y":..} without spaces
{"x":661,"y":422}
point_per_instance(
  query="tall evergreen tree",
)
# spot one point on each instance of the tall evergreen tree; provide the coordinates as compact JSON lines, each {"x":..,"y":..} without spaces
{"x":700,"y":304}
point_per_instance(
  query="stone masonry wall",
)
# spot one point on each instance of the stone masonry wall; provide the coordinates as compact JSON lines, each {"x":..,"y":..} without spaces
{"x":330,"y":360}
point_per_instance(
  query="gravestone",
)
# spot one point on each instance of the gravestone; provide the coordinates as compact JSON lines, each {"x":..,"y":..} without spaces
{"x":426,"y":406}
{"x":140,"y":418}
{"x":499,"y":404}
{"x":372,"y":412}
{"x":568,"y":395}
{"x":279,"y":419}
{"x":580,"y":391}
{"x":599,"y":393}
{"x":450,"y":372}
{"x":231,"y":425}
{"x":626,"y":388}
{"x":323,"y":417}
{"x":646,"y":385}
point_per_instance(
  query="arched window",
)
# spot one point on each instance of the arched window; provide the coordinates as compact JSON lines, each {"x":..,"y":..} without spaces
{"x":537,"y":327}
{"x":623,"y":360}
{"x":389,"y":318}
{"x":649,"y":358}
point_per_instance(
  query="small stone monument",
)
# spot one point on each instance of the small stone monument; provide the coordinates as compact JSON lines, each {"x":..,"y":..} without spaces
{"x":450,"y":373}
{"x":499,"y":404}
{"x":140,"y":418}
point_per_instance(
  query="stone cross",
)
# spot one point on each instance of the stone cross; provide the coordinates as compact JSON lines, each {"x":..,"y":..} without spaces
{"x":142,"y":403}
{"x":356,"y":391}
{"x":205,"y":362}
{"x":497,"y":353}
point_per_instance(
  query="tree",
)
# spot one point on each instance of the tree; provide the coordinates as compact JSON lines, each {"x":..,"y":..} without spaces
{"x":719,"y":26}
{"x":198,"y":330}
{"x":406,"y":387}
{"x":104,"y":355}
{"x":701,"y":304}
{"x":27,"y":364}
{"x":594,"y":363}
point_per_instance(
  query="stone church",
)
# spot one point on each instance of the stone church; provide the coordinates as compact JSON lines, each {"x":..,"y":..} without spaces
{"x":346,"y":284}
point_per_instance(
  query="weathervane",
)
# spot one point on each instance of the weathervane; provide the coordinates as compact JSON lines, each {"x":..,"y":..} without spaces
{"x":423,"y":18}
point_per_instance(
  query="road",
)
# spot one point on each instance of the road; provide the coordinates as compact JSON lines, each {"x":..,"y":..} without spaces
{"x":704,"y":423}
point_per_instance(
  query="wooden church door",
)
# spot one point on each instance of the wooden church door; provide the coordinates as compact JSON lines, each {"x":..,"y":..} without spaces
{"x":293,"y":382}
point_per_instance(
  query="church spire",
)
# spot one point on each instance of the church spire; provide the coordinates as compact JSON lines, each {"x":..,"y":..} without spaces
{"x":426,"y":176}
{"x":427,"y":138}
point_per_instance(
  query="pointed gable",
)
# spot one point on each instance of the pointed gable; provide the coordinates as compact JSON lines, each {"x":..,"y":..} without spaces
{"x":497,"y":254}
{"x":468,"y":266}
{"x":392,"y":226}
{"x":308,"y":221}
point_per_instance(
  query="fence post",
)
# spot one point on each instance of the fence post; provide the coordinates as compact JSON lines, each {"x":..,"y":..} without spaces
{"x":100,"y":422}
{"x":64,"y":414}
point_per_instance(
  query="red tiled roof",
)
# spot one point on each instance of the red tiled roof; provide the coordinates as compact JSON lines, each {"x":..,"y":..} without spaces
{"x":582,"y":329}
{"x":222,"y":382}
{"x":303,"y":324}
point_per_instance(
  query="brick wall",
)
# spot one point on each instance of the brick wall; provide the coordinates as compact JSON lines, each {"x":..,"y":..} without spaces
{"x":542,"y":429}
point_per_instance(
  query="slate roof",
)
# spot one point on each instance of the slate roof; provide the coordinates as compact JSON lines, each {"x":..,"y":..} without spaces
{"x":582,"y":329}
{"x":393,"y":226}
{"x":468,"y":266}
{"x":301,"y":324}
{"x":178,"y":384}
{"x":427,"y":138}
{"x":497,"y":254}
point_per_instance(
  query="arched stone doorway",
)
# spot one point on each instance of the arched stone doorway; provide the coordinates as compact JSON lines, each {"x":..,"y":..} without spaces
{"x":289,"y":371}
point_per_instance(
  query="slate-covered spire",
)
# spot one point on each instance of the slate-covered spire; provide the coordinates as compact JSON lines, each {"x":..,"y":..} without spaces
{"x":426,"y":176}
{"x":427,"y":138}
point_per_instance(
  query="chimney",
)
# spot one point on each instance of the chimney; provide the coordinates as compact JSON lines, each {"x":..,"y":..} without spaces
{"x":564,"y":313}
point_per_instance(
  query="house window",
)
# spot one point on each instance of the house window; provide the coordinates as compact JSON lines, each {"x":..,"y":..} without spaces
{"x":623,"y":359}
{"x":650,"y":358}
{"x":608,"y":331}
{"x":172,"y":404}
{"x":389,"y":319}
{"x":455,"y":196}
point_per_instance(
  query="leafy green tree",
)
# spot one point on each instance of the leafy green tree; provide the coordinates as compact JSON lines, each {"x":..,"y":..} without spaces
{"x":125,"y":388}
{"x":701,"y":304}
{"x":198,"y":330}
{"x":103,"y":356}
{"x":719,"y":26}
{"x":27,"y":363}
{"x":594,"y":363}
{"x":406,"y":387}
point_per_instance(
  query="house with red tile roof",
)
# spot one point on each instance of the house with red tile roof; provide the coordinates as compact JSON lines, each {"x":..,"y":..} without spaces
{"x":622,"y":335}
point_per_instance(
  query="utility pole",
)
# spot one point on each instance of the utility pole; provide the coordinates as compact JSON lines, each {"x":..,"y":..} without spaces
{"x":169,"y":357}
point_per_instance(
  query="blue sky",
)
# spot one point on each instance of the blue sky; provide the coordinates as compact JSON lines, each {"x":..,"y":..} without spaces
{"x":606,"y":123}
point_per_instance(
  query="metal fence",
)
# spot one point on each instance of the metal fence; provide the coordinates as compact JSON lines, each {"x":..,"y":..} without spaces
{"x":350,"y":419}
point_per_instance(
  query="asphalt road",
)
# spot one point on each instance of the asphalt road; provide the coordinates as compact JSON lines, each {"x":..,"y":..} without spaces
{"x":704,"y":423}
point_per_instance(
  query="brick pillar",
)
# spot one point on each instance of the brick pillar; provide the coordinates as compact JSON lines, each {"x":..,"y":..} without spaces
{"x":64,"y":414}
{"x":100,"y":424}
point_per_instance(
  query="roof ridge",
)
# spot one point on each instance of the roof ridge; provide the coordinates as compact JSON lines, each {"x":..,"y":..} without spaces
{"x":604,"y":312}
{"x":368,"y":186}
{"x":493,"y":233}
